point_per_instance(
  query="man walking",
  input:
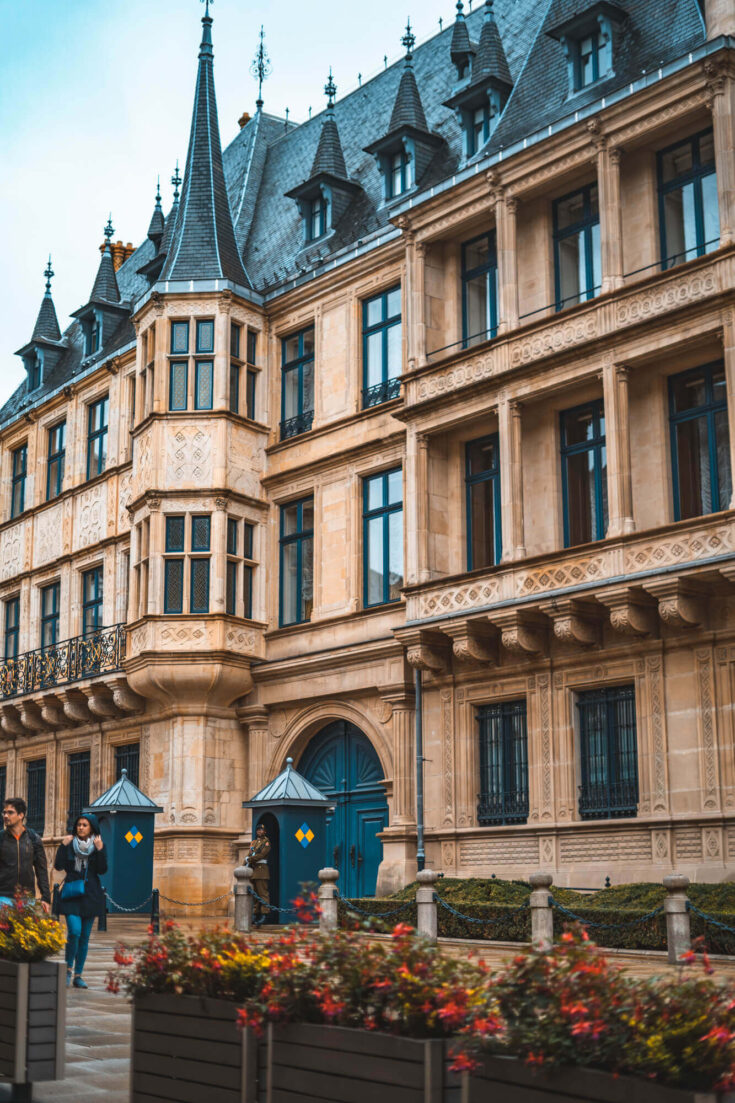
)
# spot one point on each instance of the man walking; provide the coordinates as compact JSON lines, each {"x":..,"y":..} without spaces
{"x":257,"y":859}
{"x":22,"y":857}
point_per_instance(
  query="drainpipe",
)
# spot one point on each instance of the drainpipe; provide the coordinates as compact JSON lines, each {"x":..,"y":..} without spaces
{"x":420,"y":853}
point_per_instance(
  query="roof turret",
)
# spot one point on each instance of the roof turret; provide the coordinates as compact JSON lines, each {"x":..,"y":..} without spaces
{"x":105,"y":287}
{"x":329,"y":157}
{"x":203,"y":241}
{"x":490,"y":60}
{"x":47,"y":324}
{"x":461,"y":48}
{"x":408,"y":109}
{"x":158,"y":224}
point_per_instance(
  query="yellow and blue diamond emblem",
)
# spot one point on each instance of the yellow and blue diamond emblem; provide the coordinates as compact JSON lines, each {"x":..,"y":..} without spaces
{"x":133,"y":837}
{"x":304,"y":835}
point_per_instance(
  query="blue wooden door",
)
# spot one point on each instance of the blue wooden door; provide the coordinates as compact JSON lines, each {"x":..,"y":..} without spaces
{"x":341,"y":762}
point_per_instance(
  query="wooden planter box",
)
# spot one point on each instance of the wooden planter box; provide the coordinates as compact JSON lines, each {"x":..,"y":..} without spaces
{"x":32,"y":1021}
{"x":510,"y":1080}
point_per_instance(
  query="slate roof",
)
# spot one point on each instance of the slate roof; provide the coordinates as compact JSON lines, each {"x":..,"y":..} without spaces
{"x":329,"y":157}
{"x":124,"y":796}
{"x":158,"y":222}
{"x":490,"y":60}
{"x":248,"y":184}
{"x":290,"y":787}
{"x":460,"y":46}
{"x":408,"y":109}
{"x":47,"y":324}
{"x":105,"y":287}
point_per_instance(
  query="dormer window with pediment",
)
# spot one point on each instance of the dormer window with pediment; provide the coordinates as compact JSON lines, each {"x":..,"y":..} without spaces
{"x":590,"y":41}
{"x":318,"y":220}
{"x":33,"y":363}
{"x":480,"y":100}
{"x":45,"y":347}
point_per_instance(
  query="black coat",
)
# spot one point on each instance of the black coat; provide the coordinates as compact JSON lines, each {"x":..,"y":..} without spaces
{"x":22,"y":864}
{"x":93,"y":901}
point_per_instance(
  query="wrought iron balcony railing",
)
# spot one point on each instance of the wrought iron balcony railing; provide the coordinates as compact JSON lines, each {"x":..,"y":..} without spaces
{"x":98,"y":652}
{"x":294,"y":426}
{"x":381,"y":392}
{"x":608,"y":800}
{"x":508,"y":807}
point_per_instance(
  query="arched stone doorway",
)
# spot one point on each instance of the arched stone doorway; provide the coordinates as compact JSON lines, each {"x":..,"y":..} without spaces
{"x":341,"y":761}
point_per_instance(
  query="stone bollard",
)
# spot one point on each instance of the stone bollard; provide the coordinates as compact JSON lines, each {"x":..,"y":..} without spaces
{"x":328,"y":919}
{"x":426,"y":922}
{"x":542,"y":914}
{"x":678,"y":927}
{"x":243,"y":899}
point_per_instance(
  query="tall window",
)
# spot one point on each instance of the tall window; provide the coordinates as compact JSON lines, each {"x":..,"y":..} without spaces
{"x":297,"y":561}
{"x":383,"y":537}
{"x":50,"y":614}
{"x":12,"y":627}
{"x":478,"y":127}
{"x":127,"y":757}
{"x":36,"y":794}
{"x":235,"y":369}
{"x":577,"y":261}
{"x":316,"y":223}
{"x":700,"y":442}
{"x":382,"y":354}
{"x":503,"y":794}
{"x":201,"y":540}
{"x":479,"y":290}
{"x":18,"y":480}
{"x":608,"y":753}
{"x":248,"y":567}
{"x":593,"y":58}
{"x":92,"y":615}
{"x":240,"y":563}
{"x":56,"y":460}
{"x":482,"y":482}
{"x":584,"y":473}
{"x":78,"y":787}
{"x":178,"y":384}
{"x":689,"y":217}
{"x":173,"y":566}
{"x":203,"y":384}
{"x":399,"y":177}
{"x":232,"y":566}
{"x":297,"y":383}
{"x":97,"y":416}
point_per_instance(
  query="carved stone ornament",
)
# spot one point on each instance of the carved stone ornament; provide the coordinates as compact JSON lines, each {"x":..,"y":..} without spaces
{"x":472,"y":641}
{"x":679,"y":605}
{"x":629,"y":613}
{"x":75,"y":706}
{"x":52,"y":713}
{"x":521,"y":633}
{"x":123,"y":697}
{"x":425,"y":650}
{"x":10,"y":722}
{"x":574,"y":622}
{"x":156,"y":301}
{"x":30,"y":716}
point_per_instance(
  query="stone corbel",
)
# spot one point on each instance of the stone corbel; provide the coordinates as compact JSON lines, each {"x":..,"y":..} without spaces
{"x":425,"y":650}
{"x":52,"y":713}
{"x":472,"y":641}
{"x":100,"y":702}
{"x":521,"y":632}
{"x":123,"y":697}
{"x":679,"y":605}
{"x":10,"y":722}
{"x":574,"y":622}
{"x":252,"y":716}
{"x":630,"y":612}
{"x":75,"y":706}
{"x":30,"y":717}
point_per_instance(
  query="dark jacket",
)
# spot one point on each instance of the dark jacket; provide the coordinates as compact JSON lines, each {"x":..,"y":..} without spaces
{"x":93,"y":900}
{"x":22,"y":864}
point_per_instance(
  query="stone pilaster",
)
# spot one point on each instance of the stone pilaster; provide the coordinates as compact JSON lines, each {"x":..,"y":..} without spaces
{"x":402,"y":702}
{"x":617,"y":437}
{"x":219,"y":556}
{"x":720,"y":93}
{"x":611,"y":215}
{"x":511,"y":479}
{"x":254,"y":718}
{"x":506,"y":207}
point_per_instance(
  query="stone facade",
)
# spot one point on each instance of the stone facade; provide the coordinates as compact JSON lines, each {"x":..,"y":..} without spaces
{"x":218,"y":701}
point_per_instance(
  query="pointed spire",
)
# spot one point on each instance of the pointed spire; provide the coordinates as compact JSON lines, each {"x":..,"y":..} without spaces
{"x":408,"y":109}
{"x":105,"y":287}
{"x":158,"y":225}
{"x":172,"y":214}
{"x":461,"y":48}
{"x":47,"y":324}
{"x":329,"y":157}
{"x":203,"y":244}
{"x":490,"y":60}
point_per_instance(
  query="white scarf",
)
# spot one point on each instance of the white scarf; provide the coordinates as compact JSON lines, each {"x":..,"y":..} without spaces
{"x":82,"y":850}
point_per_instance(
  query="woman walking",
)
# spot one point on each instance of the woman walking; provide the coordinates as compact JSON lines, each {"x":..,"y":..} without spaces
{"x":82,"y":857}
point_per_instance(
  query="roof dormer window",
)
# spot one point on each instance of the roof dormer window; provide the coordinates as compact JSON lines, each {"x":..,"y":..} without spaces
{"x":34,"y":367}
{"x":399,"y":177}
{"x":590,"y":41}
{"x":317,"y":218}
{"x":594,"y":58}
{"x":92,"y":328}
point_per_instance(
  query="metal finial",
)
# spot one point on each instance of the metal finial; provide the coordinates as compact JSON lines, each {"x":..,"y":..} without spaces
{"x":409,"y":39}
{"x":460,"y":7}
{"x":109,"y":230}
{"x":176,"y":181}
{"x":158,"y":189}
{"x":441,"y":24}
{"x":330,"y":89}
{"x":48,"y":273}
{"x":206,"y":8}
{"x":260,"y":66}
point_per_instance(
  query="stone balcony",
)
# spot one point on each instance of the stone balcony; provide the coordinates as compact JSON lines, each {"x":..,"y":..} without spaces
{"x":78,"y":681}
{"x":640,"y":581}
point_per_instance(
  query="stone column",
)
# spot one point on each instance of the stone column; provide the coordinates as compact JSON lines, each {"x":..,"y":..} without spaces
{"x":222,"y":353}
{"x":243,"y":899}
{"x":157,"y":401}
{"x":720,"y":92}
{"x":611,"y":220}
{"x":401,"y":700}
{"x":617,"y":438}
{"x":328,"y":917}
{"x":506,"y":207}
{"x":414,"y":298}
{"x":416,"y":507}
{"x":426,"y":917}
{"x":422,"y":530}
{"x":542,"y":915}
{"x":219,"y":555}
{"x":255,"y":719}
{"x":678,"y":930}
{"x":728,"y":343}
{"x":156,"y":545}
{"x":511,"y":479}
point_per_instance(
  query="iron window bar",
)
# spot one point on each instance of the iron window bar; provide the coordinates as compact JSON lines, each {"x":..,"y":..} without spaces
{"x":608,"y":753}
{"x":294,"y":426}
{"x":503,"y":764}
{"x":381,"y":392}
{"x":62,"y":663}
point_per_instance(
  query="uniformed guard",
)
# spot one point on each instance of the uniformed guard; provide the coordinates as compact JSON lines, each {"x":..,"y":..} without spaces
{"x":257,"y":859}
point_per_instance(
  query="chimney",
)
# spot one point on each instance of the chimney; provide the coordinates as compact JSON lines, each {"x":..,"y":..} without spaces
{"x":244,"y":119}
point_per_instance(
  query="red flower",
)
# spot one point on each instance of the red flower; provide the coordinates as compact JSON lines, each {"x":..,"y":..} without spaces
{"x":402,"y":930}
{"x":720,"y":1035}
{"x":463,"y":1063}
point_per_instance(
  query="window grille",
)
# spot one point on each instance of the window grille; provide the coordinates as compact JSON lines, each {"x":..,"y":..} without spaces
{"x":503,"y":796}
{"x":78,"y":787}
{"x":608,"y":753}
{"x":127,"y":756}
{"x":36,"y":795}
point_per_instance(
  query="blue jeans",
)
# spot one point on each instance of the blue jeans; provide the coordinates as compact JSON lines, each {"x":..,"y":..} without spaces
{"x":6,"y":900}
{"x":78,"y":930}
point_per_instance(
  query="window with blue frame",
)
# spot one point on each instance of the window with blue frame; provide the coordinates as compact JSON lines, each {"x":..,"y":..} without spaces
{"x":178,"y":386}
{"x":584,"y":473}
{"x":251,"y":383}
{"x":12,"y":628}
{"x":92,"y":600}
{"x":482,"y":497}
{"x":296,"y":562}
{"x":203,"y":384}
{"x":50,"y":614}
{"x":173,"y":566}
{"x":689,"y":217}
{"x":316,"y":223}
{"x":399,"y":175}
{"x":56,"y":460}
{"x":36,"y":795}
{"x":235,"y":369}
{"x":479,"y":290}
{"x":18,"y":480}
{"x":205,"y":336}
{"x":34,"y":366}
{"x":593,"y":58}
{"x":478,"y":127}
{"x":382,"y":347}
{"x":232,"y":566}
{"x":382,"y":537}
{"x":97,"y":418}
{"x":297,"y":383}
{"x":201,"y":533}
{"x":179,"y":338}
{"x":608,"y":753}
{"x":503,"y":796}
{"x":577,"y":263}
{"x":700,"y":442}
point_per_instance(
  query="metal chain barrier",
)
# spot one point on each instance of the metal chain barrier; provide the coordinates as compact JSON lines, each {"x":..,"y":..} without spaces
{"x":274,"y":907}
{"x":374,"y":915}
{"x":490,"y":920}
{"x":709,"y":918}
{"x":603,"y":926}
{"x":136,"y":908}
{"x":195,"y":903}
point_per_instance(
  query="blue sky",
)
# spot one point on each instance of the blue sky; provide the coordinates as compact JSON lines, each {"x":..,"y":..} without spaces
{"x":95,"y":101}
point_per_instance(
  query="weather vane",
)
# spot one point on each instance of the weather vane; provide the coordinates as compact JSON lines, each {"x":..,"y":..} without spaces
{"x":48,"y":273}
{"x":409,"y":39}
{"x":176,"y":181}
{"x":109,"y":230}
{"x":261,"y":66}
{"x":330,"y":89}
{"x":206,"y":10}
